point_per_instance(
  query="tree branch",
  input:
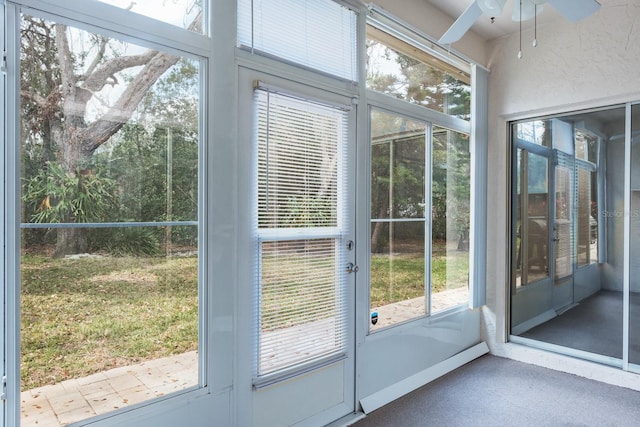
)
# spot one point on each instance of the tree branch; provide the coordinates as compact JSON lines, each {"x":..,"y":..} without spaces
{"x":40,"y":100}
{"x":99,"y":77}
{"x":102,"y":47}
{"x":65,"y":60}
{"x":155,"y":65}
{"x":99,"y":132}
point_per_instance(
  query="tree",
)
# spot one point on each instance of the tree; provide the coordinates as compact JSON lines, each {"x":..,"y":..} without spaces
{"x":63,"y":74}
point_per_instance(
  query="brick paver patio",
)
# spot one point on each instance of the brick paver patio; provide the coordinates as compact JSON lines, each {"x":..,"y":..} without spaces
{"x":78,"y":399}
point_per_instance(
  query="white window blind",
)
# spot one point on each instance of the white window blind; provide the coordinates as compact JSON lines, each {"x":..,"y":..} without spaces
{"x":301,"y":290}
{"x":318,"y":34}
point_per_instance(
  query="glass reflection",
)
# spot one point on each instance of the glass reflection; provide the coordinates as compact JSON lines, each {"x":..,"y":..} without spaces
{"x":450,"y":201}
{"x":577,"y":302}
{"x":634,"y":249}
{"x":398,"y":173}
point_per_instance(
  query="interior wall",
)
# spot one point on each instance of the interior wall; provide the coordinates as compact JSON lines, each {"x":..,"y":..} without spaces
{"x":575,"y":66}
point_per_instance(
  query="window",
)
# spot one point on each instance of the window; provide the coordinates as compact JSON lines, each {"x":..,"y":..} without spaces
{"x":110,"y":224}
{"x":181,"y":13}
{"x":534,"y":131}
{"x":397,"y":68}
{"x":320,"y":34}
{"x":450,"y":218}
{"x":587,"y":147}
{"x":300,"y":224}
{"x":399,"y":169}
{"x":420,"y":175}
{"x":402,"y":287}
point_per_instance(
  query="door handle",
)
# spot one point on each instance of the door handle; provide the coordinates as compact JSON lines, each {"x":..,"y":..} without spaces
{"x":352,"y":268}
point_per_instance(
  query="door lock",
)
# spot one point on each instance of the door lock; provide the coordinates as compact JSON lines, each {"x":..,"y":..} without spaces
{"x":352,"y":268}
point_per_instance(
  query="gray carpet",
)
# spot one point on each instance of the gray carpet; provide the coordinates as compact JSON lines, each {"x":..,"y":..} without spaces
{"x":594,"y":325}
{"x":492,"y":391}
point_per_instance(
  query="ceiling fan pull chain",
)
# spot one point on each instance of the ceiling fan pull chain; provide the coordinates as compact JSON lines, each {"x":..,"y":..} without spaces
{"x":535,"y":25}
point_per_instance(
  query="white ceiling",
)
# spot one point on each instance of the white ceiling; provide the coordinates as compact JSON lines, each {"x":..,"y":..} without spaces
{"x":502,"y":24}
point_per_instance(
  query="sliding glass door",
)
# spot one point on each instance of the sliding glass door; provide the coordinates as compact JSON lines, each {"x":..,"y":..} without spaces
{"x":583,"y":302}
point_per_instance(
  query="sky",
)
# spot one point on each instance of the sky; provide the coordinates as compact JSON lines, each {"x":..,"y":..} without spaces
{"x":176,"y":12}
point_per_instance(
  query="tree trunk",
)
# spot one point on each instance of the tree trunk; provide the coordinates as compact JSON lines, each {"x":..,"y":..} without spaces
{"x":70,"y":241}
{"x":377,"y":230}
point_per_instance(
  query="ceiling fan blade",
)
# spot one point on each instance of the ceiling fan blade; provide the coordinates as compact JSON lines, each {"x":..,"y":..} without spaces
{"x":575,"y":10}
{"x":462,"y":24}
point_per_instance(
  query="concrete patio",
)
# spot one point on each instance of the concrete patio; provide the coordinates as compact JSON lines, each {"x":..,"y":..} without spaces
{"x":82,"y":398}
{"x":78,"y":399}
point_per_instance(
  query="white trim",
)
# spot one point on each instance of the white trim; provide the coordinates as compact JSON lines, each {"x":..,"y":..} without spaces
{"x":12,"y":220}
{"x":568,"y":351}
{"x":296,"y":74}
{"x":626,"y":269}
{"x":563,"y":363}
{"x":114,"y":20}
{"x":398,"y":106}
{"x":399,"y":389}
{"x":479,"y":146}
{"x":4,"y":201}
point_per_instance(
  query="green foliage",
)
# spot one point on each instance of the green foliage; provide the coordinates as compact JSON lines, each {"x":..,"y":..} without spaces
{"x":309,"y":212}
{"x":140,"y":241}
{"x":54,"y":195}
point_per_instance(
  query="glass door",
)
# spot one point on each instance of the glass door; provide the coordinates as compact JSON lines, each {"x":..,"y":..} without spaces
{"x":300,"y":250}
{"x":532,"y":269}
{"x":563,"y":230}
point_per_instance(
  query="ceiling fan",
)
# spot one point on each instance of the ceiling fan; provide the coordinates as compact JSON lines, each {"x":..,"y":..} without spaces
{"x":571,"y":10}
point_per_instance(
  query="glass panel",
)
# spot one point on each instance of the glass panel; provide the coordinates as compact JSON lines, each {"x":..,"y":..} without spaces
{"x":109,"y":310}
{"x":536,"y":132}
{"x":563,"y":234}
{"x":302,"y":315}
{"x":586,"y":146}
{"x":532,"y":260}
{"x":398,"y":167}
{"x":406,"y":72}
{"x":581,"y":308}
{"x":318,"y":34}
{"x":297,"y":162}
{"x":587,"y":233}
{"x":450,"y":199}
{"x":302,"y":281}
{"x":182,"y":13}
{"x":634,"y":249}
{"x":397,"y":272}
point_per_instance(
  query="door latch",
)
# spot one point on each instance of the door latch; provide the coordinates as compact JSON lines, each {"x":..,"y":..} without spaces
{"x":352,"y":268}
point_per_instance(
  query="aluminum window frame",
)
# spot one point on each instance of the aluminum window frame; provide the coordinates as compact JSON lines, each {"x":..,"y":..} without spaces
{"x":117,"y":23}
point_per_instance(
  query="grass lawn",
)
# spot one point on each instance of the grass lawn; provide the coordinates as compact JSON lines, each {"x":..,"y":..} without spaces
{"x":401,"y":277}
{"x":81,"y":316}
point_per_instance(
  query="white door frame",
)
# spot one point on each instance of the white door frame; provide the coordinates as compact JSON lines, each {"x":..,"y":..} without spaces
{"x":325,"y":393}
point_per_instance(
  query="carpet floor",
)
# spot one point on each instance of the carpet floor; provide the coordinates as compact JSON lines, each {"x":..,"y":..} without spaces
{"x":493,"y":391}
